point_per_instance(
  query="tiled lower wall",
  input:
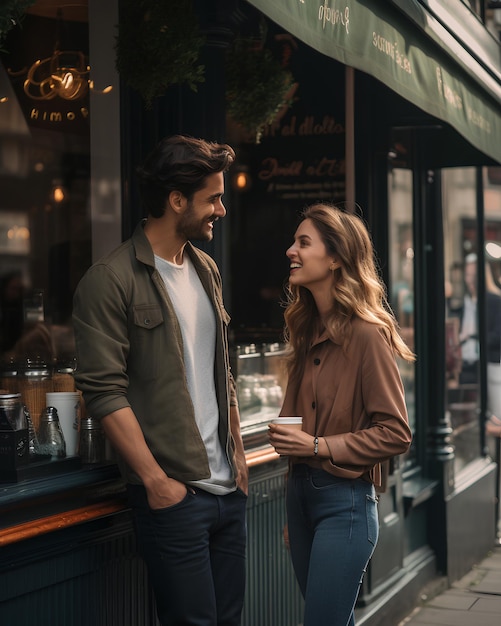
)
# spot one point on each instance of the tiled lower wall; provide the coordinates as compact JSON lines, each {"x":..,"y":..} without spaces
{"x":85,"y":576}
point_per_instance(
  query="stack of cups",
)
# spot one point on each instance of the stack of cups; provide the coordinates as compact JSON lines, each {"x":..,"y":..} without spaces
{"x":67,"y":404}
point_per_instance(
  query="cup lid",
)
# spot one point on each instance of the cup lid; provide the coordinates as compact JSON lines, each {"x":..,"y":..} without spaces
{"x":288,"y":420}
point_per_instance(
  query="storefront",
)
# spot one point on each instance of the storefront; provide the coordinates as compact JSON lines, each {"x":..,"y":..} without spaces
{"x":392,"y":108}
{"x":420,"y":86}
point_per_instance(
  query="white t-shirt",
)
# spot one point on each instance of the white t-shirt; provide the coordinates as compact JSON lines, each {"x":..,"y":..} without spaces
{"x":198,"y":328}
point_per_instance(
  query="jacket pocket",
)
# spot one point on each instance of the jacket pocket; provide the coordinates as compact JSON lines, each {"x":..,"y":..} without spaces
{"x":147,"y":315}
{"x":144,"y":354}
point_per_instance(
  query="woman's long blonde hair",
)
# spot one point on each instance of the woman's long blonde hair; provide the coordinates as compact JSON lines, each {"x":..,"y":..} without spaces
{"x":357,"y":289}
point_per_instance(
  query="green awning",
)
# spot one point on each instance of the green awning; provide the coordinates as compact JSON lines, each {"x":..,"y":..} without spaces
{"x":377,"y":38}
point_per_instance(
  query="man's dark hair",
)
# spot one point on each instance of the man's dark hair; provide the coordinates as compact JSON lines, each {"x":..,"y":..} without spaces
{"x":179,"y":163}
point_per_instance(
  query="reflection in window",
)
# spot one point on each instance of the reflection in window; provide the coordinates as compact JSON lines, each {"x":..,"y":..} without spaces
{"x":461,"y":259}
{"x":45,"y":232}
{"x":58,"y":95}
{"x":401,"y":291}
{"x":45,"y":226}
{"x":492,"y":236}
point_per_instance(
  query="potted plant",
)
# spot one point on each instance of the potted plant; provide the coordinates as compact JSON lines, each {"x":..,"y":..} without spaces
{"x":258,"y":86}
{"x":11,"y":14}
{"x":158,"y":45}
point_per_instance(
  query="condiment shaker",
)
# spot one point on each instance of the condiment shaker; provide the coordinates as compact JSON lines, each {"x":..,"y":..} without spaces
{"x":32,"y":435}
{"x":50,"y":436}
{"x":92,"y":441}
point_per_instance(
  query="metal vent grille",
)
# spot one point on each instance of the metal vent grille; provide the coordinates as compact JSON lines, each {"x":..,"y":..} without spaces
{"x":272,"y":596}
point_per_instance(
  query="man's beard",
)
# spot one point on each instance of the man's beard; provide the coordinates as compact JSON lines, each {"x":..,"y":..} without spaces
{"x":193,"y":227}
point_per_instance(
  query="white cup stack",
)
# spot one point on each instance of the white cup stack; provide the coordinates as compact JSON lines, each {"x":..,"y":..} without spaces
{"x":67,"y":405}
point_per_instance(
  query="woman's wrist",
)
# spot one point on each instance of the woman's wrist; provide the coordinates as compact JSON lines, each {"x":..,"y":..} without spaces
{"x":323,"y":449}
{"x":320,"y":447}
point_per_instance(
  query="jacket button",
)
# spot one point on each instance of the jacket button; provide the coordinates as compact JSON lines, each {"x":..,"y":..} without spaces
{"x":316,"y":361}
{"x":313,"y":405}
{"x":147,"y":321}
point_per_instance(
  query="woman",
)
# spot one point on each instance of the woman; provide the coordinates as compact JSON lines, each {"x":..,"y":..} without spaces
{"x":344,"y":382}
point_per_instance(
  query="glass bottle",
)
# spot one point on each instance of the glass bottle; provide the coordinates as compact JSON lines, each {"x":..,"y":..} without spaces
{"x":32,"y":435}
{"x":50,"y":436}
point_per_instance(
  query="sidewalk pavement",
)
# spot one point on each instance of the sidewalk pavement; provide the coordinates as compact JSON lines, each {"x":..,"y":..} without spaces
{"x":475,"y":600}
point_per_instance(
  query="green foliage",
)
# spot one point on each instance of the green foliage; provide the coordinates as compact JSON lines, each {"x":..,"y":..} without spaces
{"x":256,"y":85}
{"x":11,"y":14}
{"x":158,"y":45}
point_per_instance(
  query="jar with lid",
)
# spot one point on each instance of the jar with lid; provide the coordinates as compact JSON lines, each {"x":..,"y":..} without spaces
{"x":34,"y":382}
{"x":62,"y":378}
{"x":14,"y":446}
{"x":9,"y":377}
{"x":92,"y":441}
{"x":50,"y":436}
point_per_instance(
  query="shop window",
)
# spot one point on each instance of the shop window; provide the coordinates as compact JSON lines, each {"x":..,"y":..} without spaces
{"x":461,"y":261}
{"x":401,"y":265}
{"x":52,"y":219}
{"x":45,"y":177}
{"x":492,"y":238}
{"x":299,"y":160}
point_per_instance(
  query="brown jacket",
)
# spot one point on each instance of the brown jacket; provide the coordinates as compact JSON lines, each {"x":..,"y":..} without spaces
{"x":355,"y":399}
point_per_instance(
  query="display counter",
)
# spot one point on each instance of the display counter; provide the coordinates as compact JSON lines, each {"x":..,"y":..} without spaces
{"x":260,"y":376}
{"x":68,"y":553}
{"x":38,"y":506}
{"x":67,"y":548}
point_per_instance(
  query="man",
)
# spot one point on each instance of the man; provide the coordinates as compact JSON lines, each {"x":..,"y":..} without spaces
{"x":153,"y":366}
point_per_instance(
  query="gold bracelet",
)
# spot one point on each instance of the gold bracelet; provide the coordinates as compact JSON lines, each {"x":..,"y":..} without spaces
{"x":315,"y":446}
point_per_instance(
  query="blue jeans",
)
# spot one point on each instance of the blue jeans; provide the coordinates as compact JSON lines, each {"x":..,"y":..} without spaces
{"x":333,"y":530}
{"x":195,"y":555}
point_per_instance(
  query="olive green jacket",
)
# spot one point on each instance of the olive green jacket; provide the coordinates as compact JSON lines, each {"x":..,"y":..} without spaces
{"x":130,"y":354}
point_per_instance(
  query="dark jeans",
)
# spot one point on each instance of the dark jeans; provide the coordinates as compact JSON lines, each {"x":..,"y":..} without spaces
{"x":333,"y":530}
{"x":195,"y":555}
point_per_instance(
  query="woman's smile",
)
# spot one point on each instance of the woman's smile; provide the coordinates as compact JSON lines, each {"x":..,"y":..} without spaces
{"x":309,"y":254}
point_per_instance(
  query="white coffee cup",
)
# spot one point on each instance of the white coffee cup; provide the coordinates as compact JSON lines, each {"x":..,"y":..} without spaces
{"x":297,"y":422}
{"x":67,"y":405}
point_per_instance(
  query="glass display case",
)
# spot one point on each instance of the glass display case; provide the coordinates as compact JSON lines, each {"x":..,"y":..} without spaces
{"x":261,"y":378}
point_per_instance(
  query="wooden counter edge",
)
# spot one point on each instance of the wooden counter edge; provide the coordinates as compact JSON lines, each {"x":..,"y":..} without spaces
{"x":58,"y":521}
{"x":261,"y":456}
